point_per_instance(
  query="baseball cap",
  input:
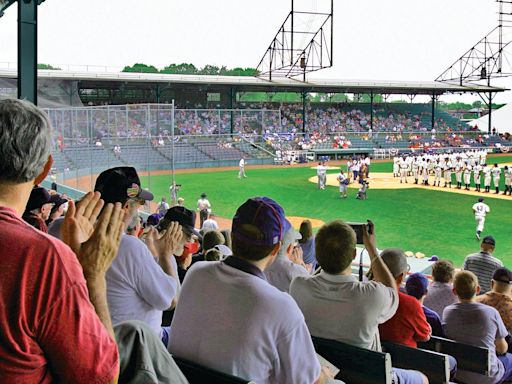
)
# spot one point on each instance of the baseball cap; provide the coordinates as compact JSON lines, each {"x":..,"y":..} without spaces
{"x":480,"y":199}
{"x":489,"y":240}
{"x":39,"y":196}
{"x":57,"y":200}
{"x":153,"y":219}
{"x":260,"y":221}
{"x":503,"y":275}
{"x":291,"y":235}
{"x":416,"y":285}
{"x":185,"y":217}
{"x":119,"y":184}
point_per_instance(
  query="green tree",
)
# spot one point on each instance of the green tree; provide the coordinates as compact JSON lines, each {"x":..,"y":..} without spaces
{"x":141,"y":68}
{"x":47,"y":66}
{"x":181,"y":69}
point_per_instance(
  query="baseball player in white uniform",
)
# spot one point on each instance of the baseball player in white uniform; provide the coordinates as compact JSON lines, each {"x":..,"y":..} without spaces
{"x":447,"y":173}
{"x":321,"y":173}
{"x":480,"y":210}
{"x":403,"y":170}
{"x":486,"y":173}
{"x":467,"y":175}
{"x":458,"y":173}
{"x":241,"y":172}
{"x":396,"y":166}
{"x":477,"y":171}
{"x":438,"y":170}
{"x":496,"y":172}
{"x":415,"y":169}
{"x":343,"y":180}
{"x":507,"y":172}
{"x":424,"y":172}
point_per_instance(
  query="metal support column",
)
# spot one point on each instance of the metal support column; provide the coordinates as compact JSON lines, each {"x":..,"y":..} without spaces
{"x":434,"y":98}
{"x":304,"y":112}
{"x":232,"y":94}
{"x":490,"y":114}
{"x":371,"y":110}
{"x":27,"y":50}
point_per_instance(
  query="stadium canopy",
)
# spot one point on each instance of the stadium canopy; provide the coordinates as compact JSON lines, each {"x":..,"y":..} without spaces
{"x":248,"y":84}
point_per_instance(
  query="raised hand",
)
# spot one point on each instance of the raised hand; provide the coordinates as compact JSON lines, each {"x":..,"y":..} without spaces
{"x":169,"y":240}
{"x":98,"y":252}
{"x":79,"y":221}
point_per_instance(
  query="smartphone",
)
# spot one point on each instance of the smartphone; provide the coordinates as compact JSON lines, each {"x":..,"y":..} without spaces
{"x":358,"y":229}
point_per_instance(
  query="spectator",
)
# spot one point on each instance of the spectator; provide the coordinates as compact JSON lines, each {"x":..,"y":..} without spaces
{"x":440,"y":292}
{"x":38,"y":209}
{"x":204,"y":208}
{"x":134,"y":227}
{"x":477,"y":324}
{"x":59,"y":206}
{"x":409,"y":325}
{"x":307,"y":244}
{"x":483,"y":263}
{"x":43,"y":285}
{"x":211,"y":240}
{"x":162,"y":207}
{"x":336,"y":306}
{"x":499,"y":296}
{"x":256,"y":344}
{"x":209,"y":224}
{"x":142,"y":280}
{"x":288,"y":263}
{"x":417,"y":287}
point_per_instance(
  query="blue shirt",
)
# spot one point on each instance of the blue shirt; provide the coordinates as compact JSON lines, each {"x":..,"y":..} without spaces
{"x":435,"y":322}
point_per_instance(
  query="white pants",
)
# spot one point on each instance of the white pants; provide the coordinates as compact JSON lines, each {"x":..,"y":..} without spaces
{"x":458,"y":177}
{"x":487,"y":181}
{"x":403,"y":174}
{"x":467,"y":178}
{"x":448,"y":176}
{"x":480,"y":220}
{"x":496,"y":181}
{"x":241,"y":173}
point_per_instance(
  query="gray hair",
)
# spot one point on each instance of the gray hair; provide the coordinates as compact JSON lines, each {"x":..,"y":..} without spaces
{"x":24,"y":140}
{"x":395,"y":260}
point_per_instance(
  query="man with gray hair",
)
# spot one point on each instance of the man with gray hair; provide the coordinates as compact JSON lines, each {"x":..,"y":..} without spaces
{"x":54,"y":324}
{"x":288,"y":263}
{"x":409,"y":324}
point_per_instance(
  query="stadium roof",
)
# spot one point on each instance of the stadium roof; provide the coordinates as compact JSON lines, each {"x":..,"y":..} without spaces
{"x":107,"y":79}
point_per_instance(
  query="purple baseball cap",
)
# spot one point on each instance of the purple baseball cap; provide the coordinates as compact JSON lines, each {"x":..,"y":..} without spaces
{"x":416,"y":285}
{"x":260,"y":221}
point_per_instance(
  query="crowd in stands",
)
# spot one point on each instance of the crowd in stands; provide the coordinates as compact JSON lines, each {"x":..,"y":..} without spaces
{"x":85,"y":302}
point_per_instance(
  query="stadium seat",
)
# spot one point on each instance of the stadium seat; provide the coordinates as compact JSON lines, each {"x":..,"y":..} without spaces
{"x":469,"y":357}
{"x":357,"y":365}
{"x":432,"y":364}
{"x":198,"y":374}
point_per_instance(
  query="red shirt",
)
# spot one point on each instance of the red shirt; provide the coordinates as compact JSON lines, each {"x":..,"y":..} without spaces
{"x":49,"y":331}
{"x":408,"y":325}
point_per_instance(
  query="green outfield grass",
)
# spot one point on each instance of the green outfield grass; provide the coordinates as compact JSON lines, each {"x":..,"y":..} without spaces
{"x":417,"y":219}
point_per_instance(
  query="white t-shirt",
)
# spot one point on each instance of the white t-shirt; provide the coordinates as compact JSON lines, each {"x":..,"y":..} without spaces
{"x":236,"y":322}
{"x":481,"y":209}
{"x":203,"y":204}
{"x":241,"y":163}
{"x":338,"y":307}
{"x":321,"y":170}
{"x":282,"y":271}
{"x":137,"y":287}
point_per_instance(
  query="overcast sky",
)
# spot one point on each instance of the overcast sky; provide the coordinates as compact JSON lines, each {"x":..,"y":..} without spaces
{"x":373,"y":39}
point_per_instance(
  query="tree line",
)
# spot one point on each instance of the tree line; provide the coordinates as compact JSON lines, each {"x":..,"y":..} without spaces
{"x":191,"y":69}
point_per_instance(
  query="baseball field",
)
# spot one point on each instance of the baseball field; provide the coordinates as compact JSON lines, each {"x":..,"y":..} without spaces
{"x":416,"y":218}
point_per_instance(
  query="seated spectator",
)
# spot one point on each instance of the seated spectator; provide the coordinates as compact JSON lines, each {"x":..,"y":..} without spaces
{"x":477,"y":324}
{"x":38,"y":209}
{"x":142,"y":280}
{"x":211,"y":240}
{"x":417,"y":287}
{"x":483,"y":263}
{"x":58,"y":209}
{"x":256,"y":344}
{"x":440,"y":293}
{"x":288,"y":263}
{"x":134,"y":227}
{"x":209,"y":224}
{"x":336,"y":305}
{"x":409,"y":325}
{"x":500,"y":297}
{"x":307,"y":244}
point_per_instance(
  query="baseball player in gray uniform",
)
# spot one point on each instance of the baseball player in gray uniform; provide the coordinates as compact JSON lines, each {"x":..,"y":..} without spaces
{"x":507,"y":172}
{"x":496,"y":172}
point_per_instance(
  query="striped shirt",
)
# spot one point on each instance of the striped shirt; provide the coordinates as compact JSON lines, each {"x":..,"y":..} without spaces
{"x":483,"y":265}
